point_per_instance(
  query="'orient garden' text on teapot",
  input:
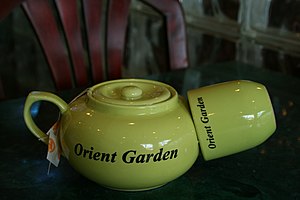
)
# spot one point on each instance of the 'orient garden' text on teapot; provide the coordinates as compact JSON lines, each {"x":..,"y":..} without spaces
{"x":134,"y":134}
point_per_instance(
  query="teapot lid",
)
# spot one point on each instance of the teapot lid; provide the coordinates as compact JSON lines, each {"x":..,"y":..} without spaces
{"x":131,"y":92}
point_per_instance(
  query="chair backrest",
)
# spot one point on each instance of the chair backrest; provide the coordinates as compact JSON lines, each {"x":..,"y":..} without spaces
{"x":7,"y":6}
{"x":103,"y":24}
{"x":61,"y":54}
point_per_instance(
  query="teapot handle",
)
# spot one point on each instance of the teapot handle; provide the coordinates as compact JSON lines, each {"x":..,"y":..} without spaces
{"x":41,"y":96}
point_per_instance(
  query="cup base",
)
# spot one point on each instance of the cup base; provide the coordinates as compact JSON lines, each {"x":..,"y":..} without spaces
{"x":136,"y":190}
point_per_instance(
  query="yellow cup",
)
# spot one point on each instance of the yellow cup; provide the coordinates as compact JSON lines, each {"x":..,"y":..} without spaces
{"x":231,"y":117}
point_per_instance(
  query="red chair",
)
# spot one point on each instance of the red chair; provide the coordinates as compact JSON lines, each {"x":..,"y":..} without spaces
{"x":67,"y":58}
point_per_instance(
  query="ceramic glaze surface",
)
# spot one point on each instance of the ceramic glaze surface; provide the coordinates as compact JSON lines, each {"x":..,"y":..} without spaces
{"x":129,"y":134}
{"x":132,"y":152}
{"x":134,"y":134}
{"x":231,"y":117}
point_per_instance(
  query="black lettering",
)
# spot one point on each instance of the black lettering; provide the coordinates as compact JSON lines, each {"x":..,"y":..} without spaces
{"x":96,"y":156}
{"x":78,"y":149}
{"x":128,"y":157}
{"x":211,"y":140}
{"x":91,"y":153}
{"x":212,"y":146}
{"x":105,"y":156}
{"x":85,"y":152}
{"x":140,"y":158}
{"x":166,"y":155}
{"x":202,"y":106}
{"x":174,"y":153}
{"x":131,"y":159}
{"x":203,"y":112}
{"x":200,"y":100}
{"x":157,"y":156}
{"x":204,"y":120}
{"x":149,"y":156}
{"x":113,"y":157}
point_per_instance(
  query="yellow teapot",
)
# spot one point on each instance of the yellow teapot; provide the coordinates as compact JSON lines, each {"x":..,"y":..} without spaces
{"x":134,"y":134}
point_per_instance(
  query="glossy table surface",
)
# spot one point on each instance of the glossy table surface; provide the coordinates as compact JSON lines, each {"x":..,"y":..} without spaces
{"x":268,"y":171}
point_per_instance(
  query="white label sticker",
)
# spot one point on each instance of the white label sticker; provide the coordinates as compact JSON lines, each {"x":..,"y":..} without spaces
{"x":54,"y":150}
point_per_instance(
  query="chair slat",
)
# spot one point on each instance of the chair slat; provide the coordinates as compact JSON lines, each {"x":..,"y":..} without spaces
{"x":118,"y":11}
{"x":43,"y":21}
{"x":71,"y":24}
{"x":176,"y":32}
{"x":93,"y":21}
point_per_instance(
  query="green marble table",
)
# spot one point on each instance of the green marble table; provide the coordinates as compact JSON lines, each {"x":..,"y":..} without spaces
{"x":269,"y":171}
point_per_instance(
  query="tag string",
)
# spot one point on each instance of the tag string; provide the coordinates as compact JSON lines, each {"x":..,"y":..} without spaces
{"x":49,"y":167}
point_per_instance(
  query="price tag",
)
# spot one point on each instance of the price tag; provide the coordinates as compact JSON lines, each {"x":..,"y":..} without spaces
{"x":54,"y":147}
{"x":54,"y":150}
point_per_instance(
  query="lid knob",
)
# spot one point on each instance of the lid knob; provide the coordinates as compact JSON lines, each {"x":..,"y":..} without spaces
{"x":131,"y":92}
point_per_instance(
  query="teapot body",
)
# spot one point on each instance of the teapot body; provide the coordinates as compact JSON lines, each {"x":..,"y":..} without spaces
{"x":128,"y":151}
